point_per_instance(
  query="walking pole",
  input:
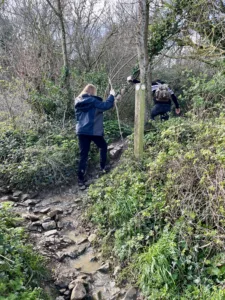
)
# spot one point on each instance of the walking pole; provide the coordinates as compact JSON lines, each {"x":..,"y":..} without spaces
{"x":117,"y":112}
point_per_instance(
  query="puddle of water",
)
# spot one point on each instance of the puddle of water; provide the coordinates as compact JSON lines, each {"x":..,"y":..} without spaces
{"x":85,"y":264}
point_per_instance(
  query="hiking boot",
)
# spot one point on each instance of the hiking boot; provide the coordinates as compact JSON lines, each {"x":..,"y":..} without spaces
{"x":81,"y":184}
{"x":103,"y":171}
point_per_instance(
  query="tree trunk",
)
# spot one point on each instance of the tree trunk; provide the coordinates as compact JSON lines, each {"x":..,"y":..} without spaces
{"x":142,"y":49}
{"x":66,"y":72}
{"x":66,"y":69}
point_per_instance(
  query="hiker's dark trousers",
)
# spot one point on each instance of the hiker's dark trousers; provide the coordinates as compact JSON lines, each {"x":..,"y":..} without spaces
{"x":84,"y":145}
{"x":159,"y":109}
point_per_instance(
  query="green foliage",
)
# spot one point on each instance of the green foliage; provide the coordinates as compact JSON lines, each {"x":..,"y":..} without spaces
{"x":41,"y":154}
{"x":157,"y":264}
{"x":21,"y":269}
{"x":205,"y":97}
{"x":111,"y":130}
{"x":99,"y":78}
{"x":37,"y":156}
{"x":167,"y":212}
{"x":51,"y":100}
{"x":160,"y":32}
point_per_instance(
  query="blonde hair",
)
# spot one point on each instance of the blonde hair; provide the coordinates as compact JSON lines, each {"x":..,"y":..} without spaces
{"x":89,"y":89}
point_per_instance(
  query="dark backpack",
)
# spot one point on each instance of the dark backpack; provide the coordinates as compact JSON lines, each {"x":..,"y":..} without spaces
{"x":162,"y":93}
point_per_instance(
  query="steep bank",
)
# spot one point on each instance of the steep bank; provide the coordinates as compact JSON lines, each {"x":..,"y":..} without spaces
{"x":166,"y":213}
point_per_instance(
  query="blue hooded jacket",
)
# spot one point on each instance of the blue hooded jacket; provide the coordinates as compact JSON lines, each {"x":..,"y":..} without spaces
{"x":89,"y":114}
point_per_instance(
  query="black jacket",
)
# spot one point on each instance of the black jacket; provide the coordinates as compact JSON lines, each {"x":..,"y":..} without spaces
{"x":155,"y":85}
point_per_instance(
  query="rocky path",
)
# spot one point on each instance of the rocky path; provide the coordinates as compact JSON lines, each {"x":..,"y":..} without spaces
{"x":57,"y":231}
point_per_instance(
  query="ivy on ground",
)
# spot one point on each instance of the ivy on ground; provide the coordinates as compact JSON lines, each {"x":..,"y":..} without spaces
{"x":163,"y":218}
{"x":21,"y":268}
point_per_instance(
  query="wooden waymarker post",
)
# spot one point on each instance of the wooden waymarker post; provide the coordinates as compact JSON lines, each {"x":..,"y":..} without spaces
{"x":139,"y":120}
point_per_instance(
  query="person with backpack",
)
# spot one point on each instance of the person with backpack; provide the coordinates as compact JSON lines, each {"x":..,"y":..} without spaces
{"x":89,"y":110}
{"x":162,"y":96}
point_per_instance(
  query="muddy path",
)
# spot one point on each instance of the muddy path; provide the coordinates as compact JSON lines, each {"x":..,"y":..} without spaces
{"x":58,"y":231}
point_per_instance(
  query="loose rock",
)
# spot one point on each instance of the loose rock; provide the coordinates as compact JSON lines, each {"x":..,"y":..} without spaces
{"x":60,"y":224}
{"x":32,"y":227}
{"x":82,"y":240}
{"x":46,"y":219}
{"x":31,"y":217}
{"x":67,"y":293}
{"x":77,"y":200}
{"x":25,"y":197}
{"x":116,"y":270}
{"x":104,"y":268}
{"x":37,"y":223}
{"x":131,"y":294}
{"x":30,"y":202}
{"x":34,"y":195}
{"x":45,"y":210}
{"x":97,"y":295}
{"x":49,"y":225}
{"x":92,"y":237}
{"x":53,"y":213}
{"x":17,"y":194}
{"x":78,"y":292}
{"x":7,"y":198}
{"x":74,"y":283}
{"x":93,"y":259}
{"x":51,"y":232}
{"x":115,"y":152}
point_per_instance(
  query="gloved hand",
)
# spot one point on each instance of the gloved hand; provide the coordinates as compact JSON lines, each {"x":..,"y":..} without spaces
{"x":129,"y":79}
{"x":177,"y":111}
{"x":112,"y":92}
{"x":118,"y":97}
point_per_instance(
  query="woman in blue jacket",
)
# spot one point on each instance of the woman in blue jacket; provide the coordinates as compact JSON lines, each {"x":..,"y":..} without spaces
{"x":89,"y":110}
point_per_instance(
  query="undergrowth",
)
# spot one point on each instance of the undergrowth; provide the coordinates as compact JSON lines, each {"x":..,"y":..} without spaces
{"x":21,"y":269}
{"x":167,"y":213}
{"x":43,"y":153}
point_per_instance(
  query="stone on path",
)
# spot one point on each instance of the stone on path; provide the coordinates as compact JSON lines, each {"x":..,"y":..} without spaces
{"x":82,"y":240}
{"x":60,"y":298}
{"x":104,"y":268}
{"x":55,"y":212}
{"x":77,"y":200}
{"x":78,"y":292}
{"x":31,"y":202}
{"x":97,"y":295}
{"x":37,"y":223}
{"x":131,"y":294}
{"x":17,"y":194}
{"x":46,"y":219}
{"x":92,"y":237}
{"x":31,"y":217}
{"x":115,"y":152}
{"x":51,"y":232}
{"x":34,"y":227}
{"x":49,"y":225}
{"x":60,"y":224}
{"x":82,"y":188}
{"x":75,"y":282}
{"x":24,"y":197}
{"x":116,"y":270}
{"x":8,"y":198}
{"x":45,"y":210}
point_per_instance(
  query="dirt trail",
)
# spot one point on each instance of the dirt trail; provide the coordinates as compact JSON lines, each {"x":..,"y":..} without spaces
{"x":57,"y":231}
